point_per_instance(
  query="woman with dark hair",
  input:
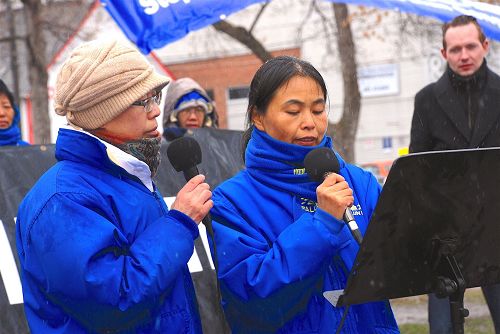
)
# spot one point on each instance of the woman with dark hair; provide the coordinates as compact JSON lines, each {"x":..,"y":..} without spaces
{"x":280,"y":238}
{"x":9,"y":119}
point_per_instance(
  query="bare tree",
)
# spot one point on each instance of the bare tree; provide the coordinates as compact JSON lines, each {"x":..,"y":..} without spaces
{"x":13,"y":48}
{"x":46,"y":26}
{"x":345,"y":130}
{"x":36,"y":45}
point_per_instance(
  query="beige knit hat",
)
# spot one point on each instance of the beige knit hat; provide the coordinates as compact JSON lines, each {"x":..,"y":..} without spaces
{"x":100,"y":80}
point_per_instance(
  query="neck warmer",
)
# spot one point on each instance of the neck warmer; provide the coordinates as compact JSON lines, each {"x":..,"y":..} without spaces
{"x":475,"y":81}
{"x":146,"y":149}
{"x":469,"y":90}
{"x":11,"y":135}
{"x":280,"y":165}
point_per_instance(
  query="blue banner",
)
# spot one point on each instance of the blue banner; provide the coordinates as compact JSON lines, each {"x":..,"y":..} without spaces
{"x":487,"y":15}
{"x":151,"y":24}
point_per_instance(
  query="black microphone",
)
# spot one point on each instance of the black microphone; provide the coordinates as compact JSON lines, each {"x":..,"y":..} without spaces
{"x":319,"y":163}
{"x":184,"y":154}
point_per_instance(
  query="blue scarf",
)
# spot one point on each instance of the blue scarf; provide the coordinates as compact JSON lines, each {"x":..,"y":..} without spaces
{"x":11,"y":135}
{"x":280,"y":165}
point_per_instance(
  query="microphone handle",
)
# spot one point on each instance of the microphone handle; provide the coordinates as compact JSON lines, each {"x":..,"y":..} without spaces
{"x":349,"y":219}
{"x":207,"y":220}
{"x":190,"y":173}
{"x":353,"y":227}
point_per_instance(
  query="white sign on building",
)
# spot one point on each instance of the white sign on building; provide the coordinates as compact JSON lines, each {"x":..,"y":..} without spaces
{"x":378,"y":80}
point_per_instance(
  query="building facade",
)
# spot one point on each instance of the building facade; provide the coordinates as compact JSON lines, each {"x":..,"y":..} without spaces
{"x":397,"y":55}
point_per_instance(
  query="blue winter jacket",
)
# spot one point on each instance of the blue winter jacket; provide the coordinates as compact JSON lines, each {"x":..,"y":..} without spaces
{"x":278,"y":252}
{"x":99,"y":252}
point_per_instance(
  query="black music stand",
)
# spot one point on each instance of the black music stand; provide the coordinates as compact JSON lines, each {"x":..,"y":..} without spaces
{"x":436,"y":229}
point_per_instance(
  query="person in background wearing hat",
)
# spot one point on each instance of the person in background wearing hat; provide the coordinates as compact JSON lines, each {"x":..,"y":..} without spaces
{"x":10,"y":135}
{"x":99,"y":250}
{"x":187,"y":106}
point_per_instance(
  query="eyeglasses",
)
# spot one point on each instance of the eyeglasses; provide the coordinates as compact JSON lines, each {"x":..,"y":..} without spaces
{"x":148,"y":103}
{"x":198,"y":111}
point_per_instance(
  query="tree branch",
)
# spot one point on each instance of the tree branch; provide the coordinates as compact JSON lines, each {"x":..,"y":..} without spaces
{"x":306,"y":18}
{"x":258,"y":17}
{"x":244,"y":37}
{"x":9,"y":39}
{"x":326,"y":22}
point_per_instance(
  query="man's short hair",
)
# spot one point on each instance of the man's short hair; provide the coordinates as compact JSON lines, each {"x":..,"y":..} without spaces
{"x":463,"y":20}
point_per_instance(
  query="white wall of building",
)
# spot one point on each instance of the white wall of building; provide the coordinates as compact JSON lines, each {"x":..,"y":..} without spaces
{"x":386,"y":115}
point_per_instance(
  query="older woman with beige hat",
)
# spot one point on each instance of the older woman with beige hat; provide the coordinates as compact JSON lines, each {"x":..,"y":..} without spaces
{"x":100,"y":252}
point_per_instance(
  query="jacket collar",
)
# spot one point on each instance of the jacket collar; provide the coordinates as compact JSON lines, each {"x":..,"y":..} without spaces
{"x":488,"y":109}
{"x":280,"y":165}
{"x":83,"y":147}
{"x":473,"y":82}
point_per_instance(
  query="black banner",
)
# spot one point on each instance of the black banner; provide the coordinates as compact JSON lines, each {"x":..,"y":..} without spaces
{"x":20,"y":168}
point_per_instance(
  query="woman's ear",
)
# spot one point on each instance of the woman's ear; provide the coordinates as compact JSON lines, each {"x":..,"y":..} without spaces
{"x":257,"y":119}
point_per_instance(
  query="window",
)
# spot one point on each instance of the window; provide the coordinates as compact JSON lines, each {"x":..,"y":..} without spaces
{"x":210,"y":93}
{"x":236,"y":93}
{"x":386,"y":142}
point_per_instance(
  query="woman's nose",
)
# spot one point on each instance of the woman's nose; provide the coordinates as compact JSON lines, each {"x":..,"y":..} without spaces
{"x":155,"y":112}
{"x":308,"y":120}
{"x":192,"y":114}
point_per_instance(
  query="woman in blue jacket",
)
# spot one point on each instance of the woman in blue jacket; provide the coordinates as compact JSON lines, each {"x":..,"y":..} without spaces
{"x":10,"y":135}
{"x":99,"y":250}
{"x":280,"y":239}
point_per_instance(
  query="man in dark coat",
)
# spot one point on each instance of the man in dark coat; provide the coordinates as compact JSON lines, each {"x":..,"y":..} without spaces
{"x":461,"y":110}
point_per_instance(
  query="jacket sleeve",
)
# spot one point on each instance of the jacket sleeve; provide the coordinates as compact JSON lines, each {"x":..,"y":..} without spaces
{"x":86,"y":266}
{"x":264,"y":281}
{"x":420,"y":137}
{"x":367,"y":190}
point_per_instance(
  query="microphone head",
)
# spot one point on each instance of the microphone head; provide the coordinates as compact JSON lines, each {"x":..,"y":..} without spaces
{"x":319,"y":162}
{"x":184,"y":153}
